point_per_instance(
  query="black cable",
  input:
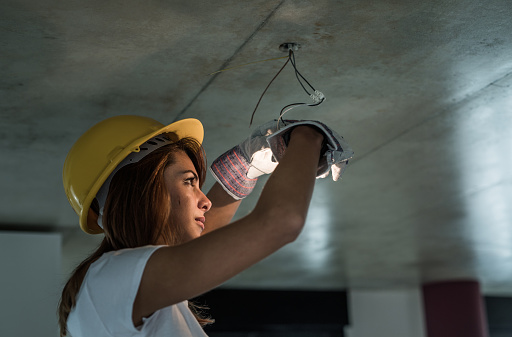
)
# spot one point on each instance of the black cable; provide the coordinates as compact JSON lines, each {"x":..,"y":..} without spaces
{"x":284,"y":65}
{"x":291,"y":59}
{"x":297,"y":73}
{"x":281,"y":114}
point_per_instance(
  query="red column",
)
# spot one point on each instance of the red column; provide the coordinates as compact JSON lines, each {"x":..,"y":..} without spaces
{"x":454,"y":309}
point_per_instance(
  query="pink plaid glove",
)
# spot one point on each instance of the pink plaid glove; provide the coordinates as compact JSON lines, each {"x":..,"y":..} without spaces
{"x":238,"y":169}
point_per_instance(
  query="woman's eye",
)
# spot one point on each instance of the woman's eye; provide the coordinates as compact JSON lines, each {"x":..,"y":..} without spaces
{"x":190,"y":181}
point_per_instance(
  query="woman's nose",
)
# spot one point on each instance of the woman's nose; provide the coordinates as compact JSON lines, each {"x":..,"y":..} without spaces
{"x":204,"y":203}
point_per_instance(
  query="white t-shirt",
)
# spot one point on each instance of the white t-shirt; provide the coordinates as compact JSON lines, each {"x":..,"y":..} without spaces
{"x":105,"y":301}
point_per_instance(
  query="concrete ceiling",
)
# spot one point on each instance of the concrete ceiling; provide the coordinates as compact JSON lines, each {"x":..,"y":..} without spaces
{"x":420,"y":90}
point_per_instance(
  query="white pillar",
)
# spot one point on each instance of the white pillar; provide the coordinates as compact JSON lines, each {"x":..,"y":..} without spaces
{"x":386,"y":313}
{"x":30,"y":280}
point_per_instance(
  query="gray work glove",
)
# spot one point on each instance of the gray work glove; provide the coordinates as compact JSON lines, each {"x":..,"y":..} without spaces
{"x":335,"y":153}
{"x":238,"y":169}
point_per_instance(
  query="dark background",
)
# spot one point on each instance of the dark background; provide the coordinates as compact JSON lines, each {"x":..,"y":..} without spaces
{"x":277,"y":313}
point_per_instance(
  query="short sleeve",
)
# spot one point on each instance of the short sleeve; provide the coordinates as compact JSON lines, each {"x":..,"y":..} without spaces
{"x":112,"y":283}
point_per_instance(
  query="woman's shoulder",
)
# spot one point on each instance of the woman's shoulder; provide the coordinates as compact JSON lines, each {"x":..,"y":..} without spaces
{"x":123,"y":259}
{"x":130,"y":252}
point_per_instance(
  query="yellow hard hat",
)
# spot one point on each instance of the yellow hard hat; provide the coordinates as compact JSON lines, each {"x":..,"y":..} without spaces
{"x":98,"y":151}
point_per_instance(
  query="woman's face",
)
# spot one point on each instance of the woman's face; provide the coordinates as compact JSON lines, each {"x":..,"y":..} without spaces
{"x":188,"y":202}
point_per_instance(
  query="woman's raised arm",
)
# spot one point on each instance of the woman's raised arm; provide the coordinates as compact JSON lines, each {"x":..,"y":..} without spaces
{"x":178,"y":273}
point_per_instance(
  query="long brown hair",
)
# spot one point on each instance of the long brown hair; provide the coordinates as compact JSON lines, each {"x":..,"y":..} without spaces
{"x":136,"y":214}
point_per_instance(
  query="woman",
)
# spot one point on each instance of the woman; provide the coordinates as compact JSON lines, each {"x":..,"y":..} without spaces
{"x":139,"y":182}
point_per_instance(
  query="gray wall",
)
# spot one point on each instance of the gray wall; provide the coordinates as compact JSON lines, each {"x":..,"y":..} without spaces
{"x":30,"y":266}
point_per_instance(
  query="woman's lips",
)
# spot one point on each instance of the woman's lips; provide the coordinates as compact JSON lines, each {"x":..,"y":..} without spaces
{"x":200,"y":221}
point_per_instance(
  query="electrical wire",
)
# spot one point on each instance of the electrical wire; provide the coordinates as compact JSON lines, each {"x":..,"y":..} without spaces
{"x":293,"y":106}
{"x":317,"y":96}
{"x":252,"y":116}
{"x":297,"y":73}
